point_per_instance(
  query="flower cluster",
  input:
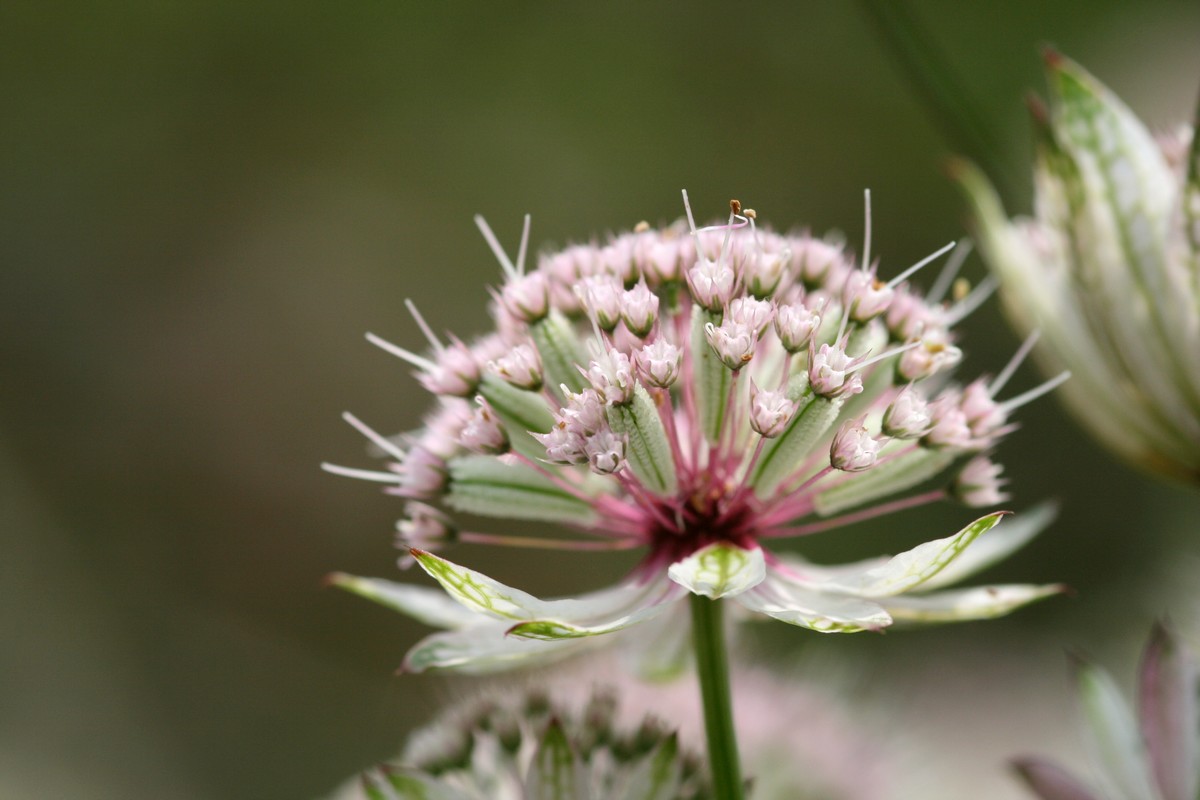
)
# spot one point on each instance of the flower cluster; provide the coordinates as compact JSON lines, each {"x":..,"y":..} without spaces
{"x":512,"y":746}
{"x":698,"y":393}
{"x":1155,"y":756}
{"x":1109,"y":269}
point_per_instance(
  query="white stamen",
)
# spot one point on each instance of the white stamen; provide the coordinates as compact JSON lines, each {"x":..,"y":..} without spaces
{"x":1008,"y":406}
{"x":866,"y":228}
{"x":687,"y":207}
{"x":908,"y":273}
{"x":523,"y":248}
{"x":945,"y":278}
{"x":424,"y":326}
{"x":895,"y":351}
{"x":379,"y":441}
{"x":1013,"y":364}
{"x":400,"y":352}
{"x":497,"y":250}
{"x":965,"y":307}
{"x":361,"y":474}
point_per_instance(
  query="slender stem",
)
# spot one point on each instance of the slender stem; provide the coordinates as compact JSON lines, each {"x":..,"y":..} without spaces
{"x":712,"y":666}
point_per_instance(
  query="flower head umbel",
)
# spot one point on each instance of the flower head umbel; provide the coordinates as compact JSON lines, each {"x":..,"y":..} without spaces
{"x":1153,"y":756}
{"x":700,"y":394}
{"x":1109,"y":269}
{"x":515,"y":745}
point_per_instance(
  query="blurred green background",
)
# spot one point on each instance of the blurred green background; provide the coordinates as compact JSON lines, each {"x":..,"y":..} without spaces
{"x":205,"y":205}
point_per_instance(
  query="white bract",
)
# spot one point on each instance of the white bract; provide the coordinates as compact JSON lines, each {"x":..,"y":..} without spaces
{"x":1109,"y":269}
{"x":699,"y":393}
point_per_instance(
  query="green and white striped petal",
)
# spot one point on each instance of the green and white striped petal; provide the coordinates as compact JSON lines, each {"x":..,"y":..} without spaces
{"x":827,"y":612}
{"x":430,"y":606}
{"x":1013,"y":534}
{"x":483,"y":649}
{"x":605,"y":612}
{"x":720,"y":570}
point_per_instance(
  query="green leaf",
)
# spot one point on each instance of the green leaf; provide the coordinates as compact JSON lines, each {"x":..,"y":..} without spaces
{"x":796,"y":603}
{"x":429,"y":606}
{"x":555,"y":773}
{"x":913,"y":567}
{"x":489,"y":487}
{"x":720,"y":570}
{"x":962,"y":605}
{"x":711,"y":377}
{"x":648,"y":451}
{"x":782,"y":455}
{"x":561,"y":352}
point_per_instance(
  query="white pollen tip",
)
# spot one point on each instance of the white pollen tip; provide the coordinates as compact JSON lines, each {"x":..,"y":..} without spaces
{"x":929,"y":259}
{"x":399,"y":352}
{"x":379,"y":441}
{"x":497,"y":250}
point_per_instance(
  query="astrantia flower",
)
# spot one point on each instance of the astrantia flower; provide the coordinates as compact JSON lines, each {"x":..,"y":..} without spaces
{"x":1109,"y":270}
{"x":1155,"y":756}
{"x":520,"y":745}
{"x":760,"y":393}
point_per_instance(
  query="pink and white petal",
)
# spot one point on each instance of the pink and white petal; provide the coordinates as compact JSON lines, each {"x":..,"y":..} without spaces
{"x":1167,"y":685}
{"x":478,"y":592}
{"x":482,"y":650}
{"x":961,"y":605}
{"x":720,"y":570}
{"x":1013,"y":534}
{"x":602,"y":612}
{"x":430,"y":606}
{"x":801,"y":605}
{"x":913,"y":567}
{"x":1049,"y":781}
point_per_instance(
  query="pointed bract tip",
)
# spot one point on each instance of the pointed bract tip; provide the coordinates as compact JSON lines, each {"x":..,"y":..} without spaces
{"x":1053,"y":59}
{"x":1038,"y":110}
{"x":338,"y":579}
{"x":956,"y":167}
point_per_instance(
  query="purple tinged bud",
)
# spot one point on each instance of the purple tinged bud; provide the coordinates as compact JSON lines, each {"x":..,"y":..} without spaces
{"x":639,"y":309}
{"x":605,"y":452}
{"x":527,"y":297}
{"x":908,"y":416}
{"x":455,"y":372}
{"x":828,"y":366}
{"x":711,"y":284}
{"x":658,"y":363}
{"x":864,"y":296}
{"x":733,"y":342}
{"x":424,"y":527}
{"x":484,"y":434}
{"x":933,"y":355}
{"x":949,"y":428}
{"x":853,"y":448}
{"x":601,"y":296}
{"x":815,"y":258}
{"x":984,"y":415}
{"x":563,"y":445}
{"x":424,"y":473}
{"x":770,"y":411}
{"x":584,"y":412}
{"x":978,"y":485}
{"x":522,"y":367}
{"x":795,"y":325}
{"x":763,"y":272}
{"x":611,"y":375}
{"x":755,"y":314}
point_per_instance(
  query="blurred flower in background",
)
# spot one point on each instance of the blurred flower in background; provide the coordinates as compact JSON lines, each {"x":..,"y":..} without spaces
{"x":1153,"y":756}
{"x":1109,"y":269}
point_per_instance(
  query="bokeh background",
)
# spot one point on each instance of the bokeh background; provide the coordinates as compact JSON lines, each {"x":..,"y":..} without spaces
{"x":204,"y":205}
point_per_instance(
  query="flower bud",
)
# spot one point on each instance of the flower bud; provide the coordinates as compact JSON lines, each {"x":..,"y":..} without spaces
{"x":908,"y":416}
{"x":754,"y":314}
{"x":424,"y":527}
{"x":853,"y":448}
{"x":639,"y":309}
{"x":795,"y":325}
{"x":829,"y":372}
{"x":605,"y":452}
{"x":762,"y":272}
{"x":522,"y":367}
{"x":815,"y":258}
{"x":864,"y":296}
{"x":733,"y":342}
{"x":984,"y":415}
{"x":770,"y":411}
{"x":601,"y":296}
{"x":484,"y":434}
{"x":711,"y":284}
{"x":949,"y":428}
{"x":978,"y":484}
{"x":658,"y":363}
{"x":526,"y":297}
{"x":584,"y":412}
{"x":933,"y":355}
{"x":563,"y":445}
{"x":611,"y":375}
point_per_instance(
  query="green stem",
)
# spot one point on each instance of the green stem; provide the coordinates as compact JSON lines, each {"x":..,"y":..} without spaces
{"x":712,"y":665}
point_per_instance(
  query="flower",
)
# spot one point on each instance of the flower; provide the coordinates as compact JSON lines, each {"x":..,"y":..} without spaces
{"x":512,"y":745}
{"x":1109,"y":269}
{"x":1153,"y":757}
{"x":763,"y":396}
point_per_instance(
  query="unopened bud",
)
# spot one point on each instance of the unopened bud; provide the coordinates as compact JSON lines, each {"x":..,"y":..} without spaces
{"x":605,"y":452}
{"x":829,"y":372}
{"x":639,"y":309}
{"x":522,"y":367}
{"x":770,"y":411}
{"x":853,"y":448}
{"x":907,"y":417}
{"x":979,"y":485}
{"x":658,"y":363}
